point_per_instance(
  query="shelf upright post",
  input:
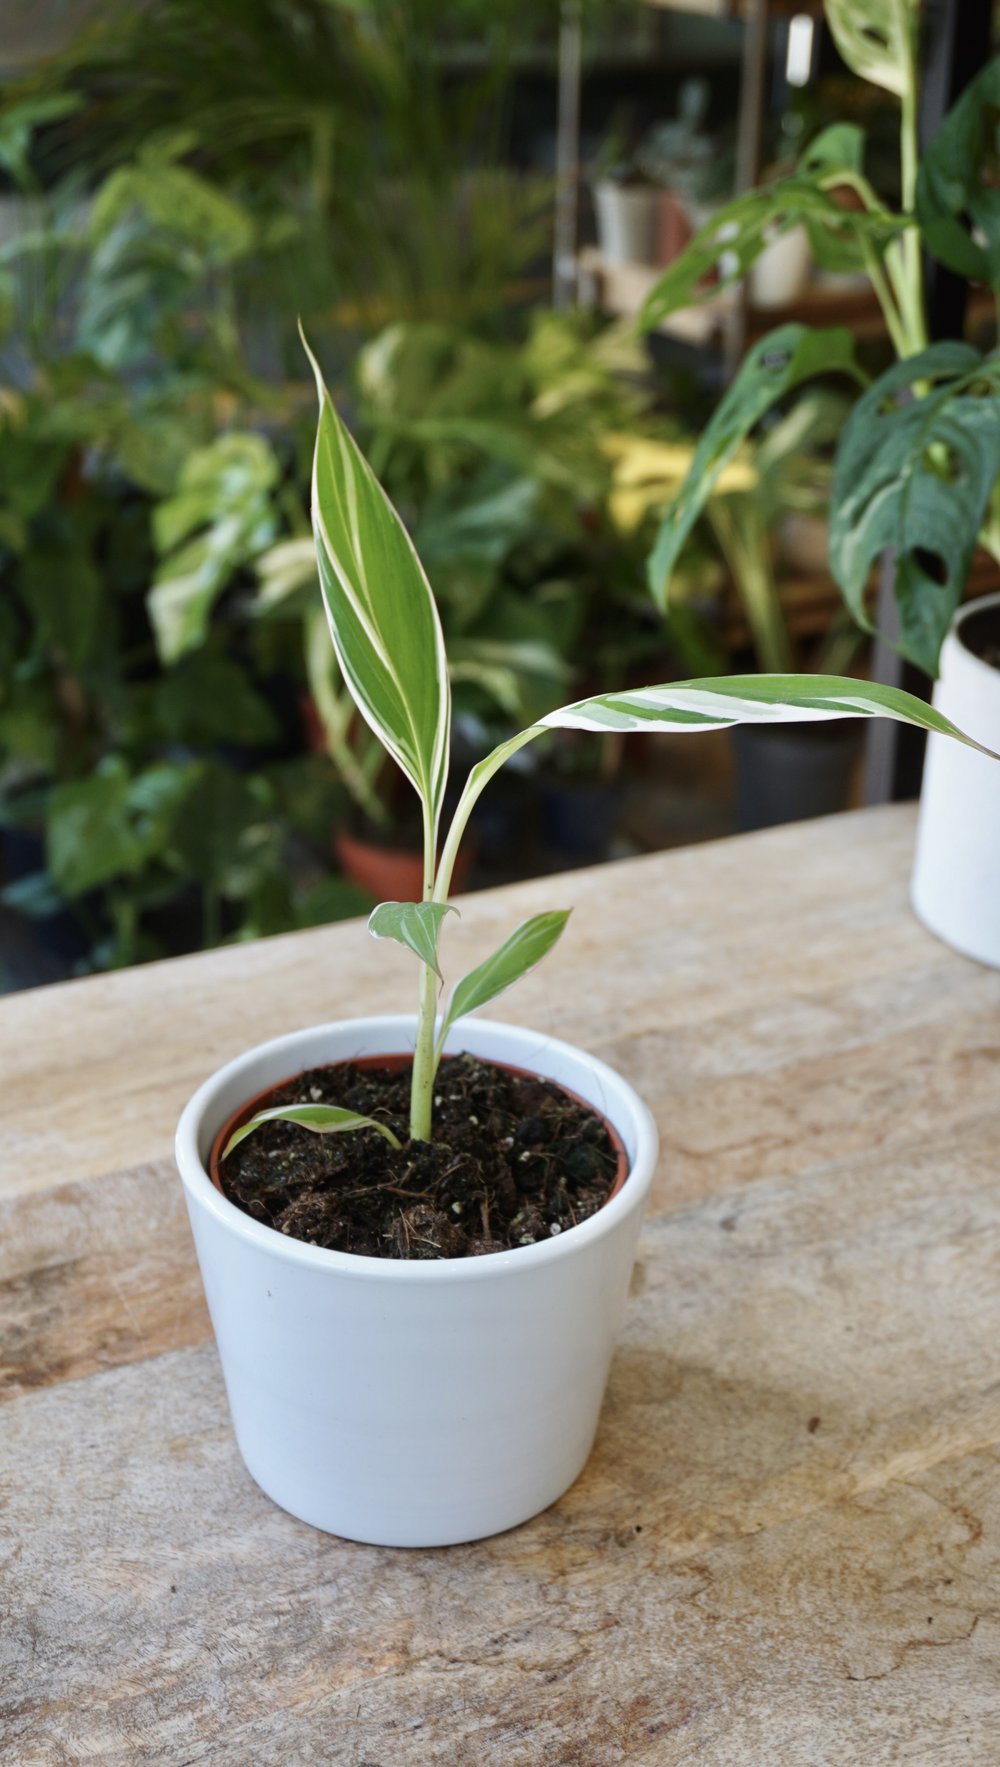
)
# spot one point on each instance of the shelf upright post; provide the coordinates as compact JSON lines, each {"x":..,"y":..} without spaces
{"x":750,"y":128}
{"x":564,"y":272}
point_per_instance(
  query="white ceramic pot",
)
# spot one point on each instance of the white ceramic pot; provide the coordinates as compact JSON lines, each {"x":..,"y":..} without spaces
{"x":782,"y":270}
{"x":956,"y":878}
{"x":411,"y":1403}
{"x":627,"y":221}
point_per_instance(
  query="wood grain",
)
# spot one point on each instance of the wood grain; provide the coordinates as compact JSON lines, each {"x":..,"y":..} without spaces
{"x":785,"y":1551}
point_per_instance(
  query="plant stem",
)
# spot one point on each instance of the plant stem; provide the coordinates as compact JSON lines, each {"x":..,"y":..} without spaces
{"x":894,"y":322}
{"x":479,"y":777}
{"x":911,"y":290}
{"x":424,"y":1057}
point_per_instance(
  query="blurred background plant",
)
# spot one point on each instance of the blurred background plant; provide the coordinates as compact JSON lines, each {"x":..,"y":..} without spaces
{"x":179,"y":185}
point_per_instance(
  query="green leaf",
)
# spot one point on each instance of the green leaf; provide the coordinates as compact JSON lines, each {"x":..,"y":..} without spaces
{"x":383,"y":618}
{"x":918,"y":459}
{"x":416,"y":925}
{"x":90,"y":835}
{"x":527,"y":946}
{"x":322,"y":1119}
{"x":958,"y":202}
{"x":220,"y":517}
{"x":741,"y":230}
{"x":775,"y":366}
{"x":18,"y":124}
{"x":874,"y":37}
{"x":220,"y":830}
{"x":208,"y":698}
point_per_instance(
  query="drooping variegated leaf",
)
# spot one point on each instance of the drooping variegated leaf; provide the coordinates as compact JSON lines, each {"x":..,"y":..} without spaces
{"x":958,"y":203}
{"x":917,"y":462}
{"x":382,"y":615}
{"x":777,"y":364}
{"x":413,"y":924}
{"x":322,"y":1119}
{"x":875,"y":39}
{"x":714,"y":703}
{"x":532,"y":940}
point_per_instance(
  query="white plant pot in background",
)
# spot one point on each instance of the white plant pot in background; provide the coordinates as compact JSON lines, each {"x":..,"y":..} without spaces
{"x":412,"y":1403}
{"x":956,"y":878}
{"x":627,"y":218}
{"x":782,"y":270}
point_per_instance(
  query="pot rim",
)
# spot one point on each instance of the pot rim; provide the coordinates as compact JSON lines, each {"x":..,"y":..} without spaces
{"x":623,"y":1102}
{"x":981,"y":604}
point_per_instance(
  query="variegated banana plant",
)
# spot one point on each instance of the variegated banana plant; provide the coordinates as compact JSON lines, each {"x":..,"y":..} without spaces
{"x":387,"y":636}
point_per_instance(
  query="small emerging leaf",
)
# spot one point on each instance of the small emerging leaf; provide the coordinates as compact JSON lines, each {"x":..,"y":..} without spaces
{"x":527,"y":946}
{"x":413,"y":924}
{"x":322,"y":1119}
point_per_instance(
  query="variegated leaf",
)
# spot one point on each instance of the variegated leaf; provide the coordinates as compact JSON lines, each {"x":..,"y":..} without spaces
{"x":382,"y":615}
{"x":413,"y":924}
{"x":531,"y":941}
{"x":875,"y":38}
{"x":322,"y":1119}
{"x":713,"y":704}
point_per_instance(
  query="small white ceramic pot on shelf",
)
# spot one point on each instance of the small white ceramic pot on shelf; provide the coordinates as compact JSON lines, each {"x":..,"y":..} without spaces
{"x":413,"y":1403}
{"x":956,"y":877}
{"x":627,"y":217}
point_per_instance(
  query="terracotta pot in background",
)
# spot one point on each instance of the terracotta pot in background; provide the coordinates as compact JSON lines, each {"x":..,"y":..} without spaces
{"x":392,"y":874}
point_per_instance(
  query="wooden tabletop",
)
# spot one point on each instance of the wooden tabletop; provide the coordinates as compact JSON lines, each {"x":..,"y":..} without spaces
{"x":785,"y":1551}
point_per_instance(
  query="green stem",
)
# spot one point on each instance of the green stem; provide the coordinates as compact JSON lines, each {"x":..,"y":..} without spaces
{"x":745,"y":547}
{"x":894,"y":322}
{"x":478,"y":779}
{"x":424,"y":1055}
{"x":913,"y":302}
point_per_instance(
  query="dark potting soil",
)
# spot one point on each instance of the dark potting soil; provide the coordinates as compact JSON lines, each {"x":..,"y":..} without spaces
{"x":514,"y":1160}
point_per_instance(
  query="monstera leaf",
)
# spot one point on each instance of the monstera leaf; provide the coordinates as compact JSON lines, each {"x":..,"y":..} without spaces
{"x":917,"y":462}
{"x":958,"y":201}
{"x":724,"y":249}
{"x":875,"y":38}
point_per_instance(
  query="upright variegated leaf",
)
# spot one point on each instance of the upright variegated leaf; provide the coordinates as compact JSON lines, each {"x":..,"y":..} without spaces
{"x":383,"y":619}
{"x":531,"y":941}
{"x":413,"y":924}
{"x":875,"y":39}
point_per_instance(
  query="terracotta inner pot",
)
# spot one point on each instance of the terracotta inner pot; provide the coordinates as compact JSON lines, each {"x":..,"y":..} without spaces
{"x":393,"y":1063}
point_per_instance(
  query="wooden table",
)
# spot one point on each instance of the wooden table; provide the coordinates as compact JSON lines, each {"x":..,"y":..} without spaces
{"x":785,"y":1551}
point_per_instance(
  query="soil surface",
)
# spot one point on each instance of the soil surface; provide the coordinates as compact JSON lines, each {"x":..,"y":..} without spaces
{"x":514,"y":1160}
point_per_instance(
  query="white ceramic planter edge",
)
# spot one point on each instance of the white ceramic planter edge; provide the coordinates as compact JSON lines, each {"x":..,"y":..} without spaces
{"x":955,"y":889}
{"x":326,"y":1355}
